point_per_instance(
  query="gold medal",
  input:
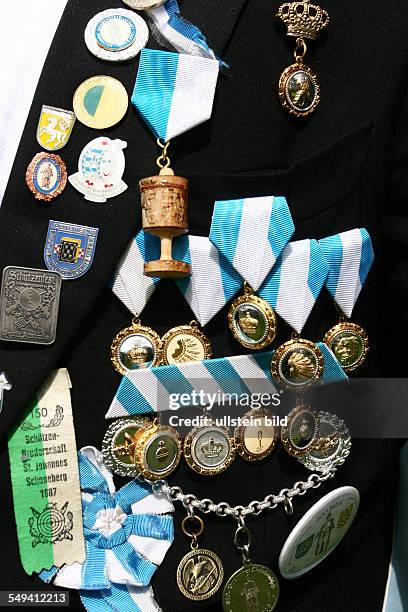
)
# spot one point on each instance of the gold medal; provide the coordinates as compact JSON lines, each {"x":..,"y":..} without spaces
{"x":252,"y":320}
{"x":209,"y":450}
{"x":349,"y":343}
{"x":119,"y":443}
{"x":253,"y":587}
{"x":183,"y":344}
{"x":299,"y":89}
{"x":100,"y":102}
{"x":157,"y":451}
{"x":134,"y":348}
{"x":200,"y":572}
{"x":297,"y":363}
{"x":256,"y":440}
{"x":302,"y":430}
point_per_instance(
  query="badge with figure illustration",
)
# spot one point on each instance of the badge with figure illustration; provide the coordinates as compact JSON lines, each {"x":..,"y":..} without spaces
{"x":69,"y":249}
{"x":256,"y":438}
{"x":302,"y":430}
{"x":319,"y":532}
{"x":46,"y":176}
{"x":100,"y":169}
{"x":54,"y":127}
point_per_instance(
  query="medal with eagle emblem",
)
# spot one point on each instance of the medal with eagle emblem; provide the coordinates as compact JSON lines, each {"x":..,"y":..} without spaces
{"x":183,"y":344}
{"x":135,"y":348}
{"x":297,"y":363}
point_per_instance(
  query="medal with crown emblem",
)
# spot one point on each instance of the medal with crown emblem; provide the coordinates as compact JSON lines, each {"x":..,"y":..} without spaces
{"x":209,"y":450}
{"x":183,"y":344}
{"x":299,"y":89}
{"x":135,"y":348}
{"x":252,"y":320}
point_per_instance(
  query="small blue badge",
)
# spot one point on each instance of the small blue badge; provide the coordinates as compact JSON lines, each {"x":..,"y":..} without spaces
{"x":69,"y":249}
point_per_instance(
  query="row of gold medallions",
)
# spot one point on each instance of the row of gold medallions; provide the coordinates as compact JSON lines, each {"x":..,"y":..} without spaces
{"x":137,"y":445}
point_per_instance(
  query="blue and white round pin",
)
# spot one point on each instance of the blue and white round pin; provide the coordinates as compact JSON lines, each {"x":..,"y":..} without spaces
{"x":115,"y":32}
{"x":116,"y":35}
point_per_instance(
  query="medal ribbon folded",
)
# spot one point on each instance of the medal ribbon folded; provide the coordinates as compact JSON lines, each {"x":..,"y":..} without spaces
{"x":150,"y":390}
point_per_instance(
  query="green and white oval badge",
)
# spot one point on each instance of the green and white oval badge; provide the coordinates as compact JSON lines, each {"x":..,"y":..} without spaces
{"x":319,"y":532}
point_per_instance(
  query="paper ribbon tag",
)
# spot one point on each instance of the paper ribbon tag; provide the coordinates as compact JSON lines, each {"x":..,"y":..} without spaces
{"x":213,"y":281}
{"x":45,"y":480}
{"x":146,"y":391}
{"x":174,"y":93}
{"x":295,"y":282}
{"x":350,"y":256}
{"x":251,"y":234}
{"x":130,"y":285}
{"x":175,"y":32}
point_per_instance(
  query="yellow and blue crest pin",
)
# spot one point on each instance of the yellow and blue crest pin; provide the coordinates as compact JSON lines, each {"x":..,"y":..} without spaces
{"x":54,"y":127}
{"x":69,"y":248}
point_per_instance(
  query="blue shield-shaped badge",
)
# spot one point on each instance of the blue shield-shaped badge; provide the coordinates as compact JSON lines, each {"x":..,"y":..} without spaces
{"x":69,"y":248}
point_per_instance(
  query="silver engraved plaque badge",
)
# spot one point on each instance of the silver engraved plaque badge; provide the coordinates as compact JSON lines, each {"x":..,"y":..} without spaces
{"x":29,"y":305}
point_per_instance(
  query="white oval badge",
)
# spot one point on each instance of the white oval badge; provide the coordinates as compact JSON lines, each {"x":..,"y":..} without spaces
{"x":319,"y":532}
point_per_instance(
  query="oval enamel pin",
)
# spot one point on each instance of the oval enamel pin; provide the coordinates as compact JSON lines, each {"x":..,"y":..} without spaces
{"x":46,"y":176}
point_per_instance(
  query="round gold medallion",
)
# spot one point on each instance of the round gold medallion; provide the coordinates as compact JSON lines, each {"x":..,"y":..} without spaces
{"x":257,"y":439}
{"x":209,"y":450}
{"x":100,"y":102}
{"x":349,"y":343}
{"x":299,"y":90}
{"x":119,"y":443}
{"x":252,"y":321}
{"x":135,"y":348}
{"x":253,"y":588}
{"x":297,"y":363}
{"x":157,"y":452}
{"x":301,"y":431}
{"x":200,"y":574}
{"x":183,"y":344}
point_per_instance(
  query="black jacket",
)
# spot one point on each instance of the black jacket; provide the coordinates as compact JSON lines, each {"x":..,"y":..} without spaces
{"x":344,"y":167}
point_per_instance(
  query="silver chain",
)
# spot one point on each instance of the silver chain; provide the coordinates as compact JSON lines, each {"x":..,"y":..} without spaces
{"x":254,"y":508}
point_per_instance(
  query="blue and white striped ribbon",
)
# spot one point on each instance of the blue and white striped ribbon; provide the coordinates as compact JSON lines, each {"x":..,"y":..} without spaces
{"x":251,"y":234}
{"x":130,"y":285}
{"x":295,"y":282}
{"x":147,"y":391}
{"x":174,"y":93}
{"x":350,"y":256}
{"x":172,"y":31}
{"x":120,"y":597}
{"x":213,"y":281}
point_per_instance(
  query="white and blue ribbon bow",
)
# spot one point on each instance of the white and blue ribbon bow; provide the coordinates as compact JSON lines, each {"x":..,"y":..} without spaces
{"x":213,"y":281}
{"x":251,"y":233}
{"x":174,"y":93}
{"x":172,"y":31}
{"x":127,"y":535}
{"x":130,"y":284}
{"x":154,"y":390}
{"x":295,"y":282}
{"x":350,"y":256}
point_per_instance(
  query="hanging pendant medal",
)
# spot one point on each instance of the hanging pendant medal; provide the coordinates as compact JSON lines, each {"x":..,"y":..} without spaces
{"x":302,"y":430}
{"x":134,"y":348}
{"x":349,"y":342}
{"x":299,"y":89}
{"x":200,"y":572}
{"x":256,"y":440}
{"x":297,"y":363}
{"x":252,"y":320}
{"x":183,"y":344}
{"x":209,"y":450}
{"x":253,"y":587}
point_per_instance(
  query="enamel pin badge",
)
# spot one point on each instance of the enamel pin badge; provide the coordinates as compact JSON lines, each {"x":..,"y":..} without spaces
{"x":54,"y":127}
{"x":46,"y":176}
{"x":100,"y":169}
{"x":4,"y":386}
{"x":70,"y":248}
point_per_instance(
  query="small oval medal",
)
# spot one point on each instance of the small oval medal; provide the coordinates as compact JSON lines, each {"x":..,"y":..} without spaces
{"x":297,"y":363}
{"x":135,"y":348}
{"x":252,"y":321}
{"x":157,"y":452}
{"x":301,"y":431}
{"x":333,"y":441}
{"x":209,"y":450}
{"x":349,"y":343}
{"x":319,"y":532}
{"x":100,"y":102}
{"x":183,"y":344}
{"x":256,"y":440}
{"x":299,"y":90}
{"x":100,"y":169}
{"x":119,"y":443}
{"x":200,"y":574}
{"x":253,"y":587}
{"x":116,"y":35}
{"x":46,"y":176}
